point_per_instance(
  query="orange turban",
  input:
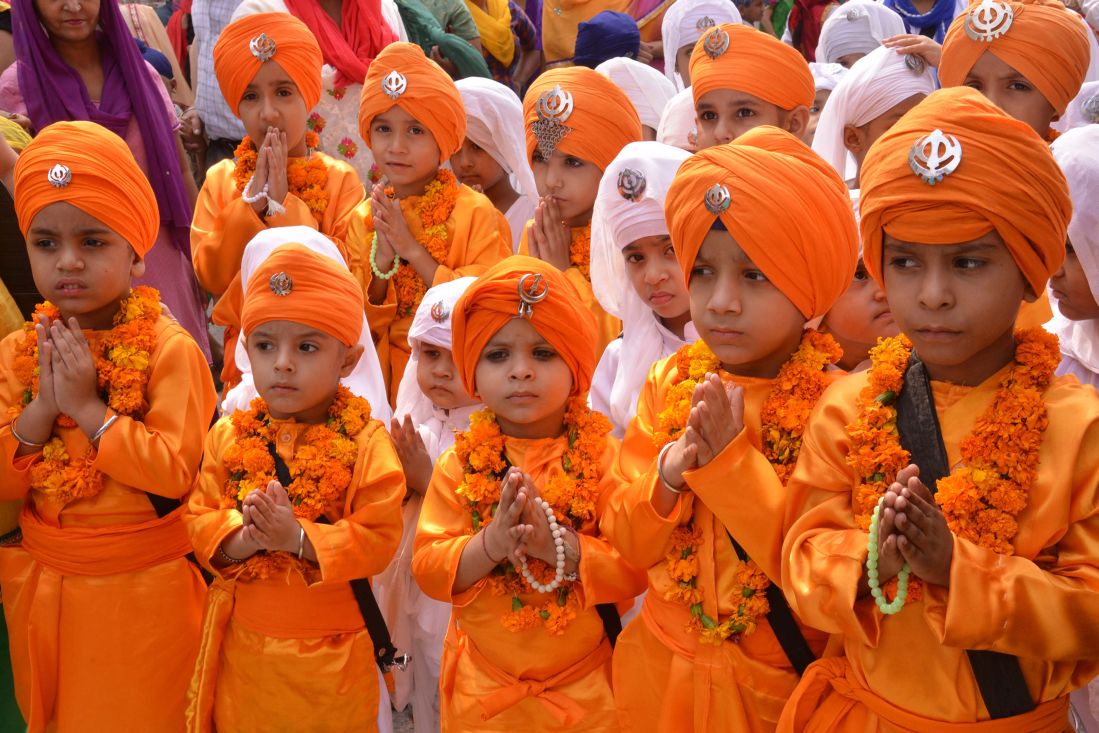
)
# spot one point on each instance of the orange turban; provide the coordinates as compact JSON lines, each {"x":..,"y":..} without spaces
{"x":782,"y":203}
{"x":90,"y":167}
{"x":734,"y":56}
{"x":279,"y":37}
{"x":596,"y":117}
{"x":1005,"y":179}
{"x":298,"y":284}
{"x":1046,"y":43}
{"x":493,"y":300}
{"x":402,"y":75}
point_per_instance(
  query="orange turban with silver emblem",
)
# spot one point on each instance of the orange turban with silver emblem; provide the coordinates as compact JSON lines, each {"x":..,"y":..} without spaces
{"x":90,"y":167}
{"x":734,"y":56}
{"x":782,"y":204}
{"x":957,"y":167}
{"x":494,"y":299}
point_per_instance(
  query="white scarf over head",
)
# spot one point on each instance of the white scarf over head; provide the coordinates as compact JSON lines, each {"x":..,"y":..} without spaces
{"x":685,"y":22}
{"x":826,"y":76}
{"x":679,"y":122}
{"x":857,"y":26}
{"x":646,"y":87}
{"x":1083,"y":110}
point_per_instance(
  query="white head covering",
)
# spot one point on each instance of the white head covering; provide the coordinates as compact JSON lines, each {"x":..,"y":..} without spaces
{"x":857,"y":26}
{"x":1091,"y":13}
{"x":826,"y":76}
{"x":365,"y":381}
{"x":1083,"y":110}
{"x":876,"y":83}
{"x":1077,"y":152}
{"x":617,"y":222}
{"x":679,"y":120}
{"x":685,"y":22}
{"x":646,"y":87}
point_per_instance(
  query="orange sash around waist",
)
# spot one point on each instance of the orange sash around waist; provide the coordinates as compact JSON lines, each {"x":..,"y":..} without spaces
{"x":296,"y":611}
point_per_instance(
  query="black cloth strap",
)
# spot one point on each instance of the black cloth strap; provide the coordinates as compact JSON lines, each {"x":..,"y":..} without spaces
{"x":999,"y":676}
{"x":612,"y":622}
{"x":782,"y":621}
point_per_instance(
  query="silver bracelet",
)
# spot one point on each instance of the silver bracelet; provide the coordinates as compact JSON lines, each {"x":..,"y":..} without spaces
{"x":660,"y":469}
{"x":301,"y":541}
{"x":103,"y":428}
{"x":21,"y":440}
{"x":227,"y":558}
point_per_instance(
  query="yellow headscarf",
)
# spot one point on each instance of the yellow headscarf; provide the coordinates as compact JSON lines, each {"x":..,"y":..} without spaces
{"x":495,"y":29}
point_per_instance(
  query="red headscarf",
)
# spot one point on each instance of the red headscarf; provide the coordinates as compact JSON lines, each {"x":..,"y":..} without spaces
{"x":352,"y":46}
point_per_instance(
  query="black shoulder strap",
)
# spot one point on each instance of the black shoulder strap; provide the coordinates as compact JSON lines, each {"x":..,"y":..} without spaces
{"x":999,"y":676}
{"x":612,"y":622}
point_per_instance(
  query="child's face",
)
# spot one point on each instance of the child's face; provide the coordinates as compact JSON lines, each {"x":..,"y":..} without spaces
{"x":1011,"y":91}
{"x":957,"y":303}
{"x":521,"y":377}
{"x":848,"y":60}
{"x":751,"y":12}
{"x":475,"y":167}
{"x":438,"y":378}
{"x":1072,"y":291}
{"x":69,"y":21}
{"x":405,"y":151}
{"x":655,"y":275}
{"x":819,"y":100}
{"x":859,"y":318}
{"x":298,"y":368}
{"x":726,"y":114}
{"x":745,"y":320}
{"x":273,"y":100}
{"x":859,"y":139}
{"x":683,"y":63}
{"x":572,"y":181}
{"x":80,"y":265}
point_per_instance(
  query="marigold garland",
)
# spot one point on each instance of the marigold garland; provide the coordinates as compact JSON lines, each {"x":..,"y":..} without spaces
{"x":796,"y":389}
{"x":306,"y":178}
{"x":580,"y":250}
{"x":322,"y":466}
{"x":982,"y":499}
{"x":122,"y":358}
{"x":572,"y":495}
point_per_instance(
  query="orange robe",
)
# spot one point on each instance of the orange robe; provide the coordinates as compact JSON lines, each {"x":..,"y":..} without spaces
{"x":665,"y":678}
{"x":479,"y":238}
{"x":224,"y":225}
{"x":909,"y":672}
{"x":291,"y":652}
{"x":493,"y":679}
{"x":103,"y":608}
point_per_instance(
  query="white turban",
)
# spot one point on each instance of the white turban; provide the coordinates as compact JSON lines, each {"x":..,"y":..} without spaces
{"x":1084,"y":109}
{"x":826,"y":76}
{"x":646,"y":87}
{"x":679,"y":121}
{"x":685,"y":22}
{"x":857,"y":26}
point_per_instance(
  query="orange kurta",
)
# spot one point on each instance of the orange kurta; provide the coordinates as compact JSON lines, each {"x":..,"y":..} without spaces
{"x":103,"y":608}
{"x":291,"y":652}
{"x":664,"y":677}
{"x":479,"y":238}
{"x":909,"y":672}
{"x":224,"y":224}
{"x":527,"y":680}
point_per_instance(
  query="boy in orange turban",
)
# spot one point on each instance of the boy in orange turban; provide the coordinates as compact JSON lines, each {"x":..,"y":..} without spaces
{"x":423,"y":228}
{"x":269,"y":68}
{"x":298,"y":495}
{"x":943,"y":507}
{"x":509,"y":529}
{"x":741,"y":78}
{"x":104,"y":402}
{"x":700,"y":502}
{"x":577,"y":121}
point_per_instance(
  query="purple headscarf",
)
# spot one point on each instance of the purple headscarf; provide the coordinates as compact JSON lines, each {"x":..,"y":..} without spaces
{"x":54,"y":91}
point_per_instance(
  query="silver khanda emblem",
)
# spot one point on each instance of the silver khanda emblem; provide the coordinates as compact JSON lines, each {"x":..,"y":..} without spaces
{"x":705,"y":22}
{"x":854,"y":14}
{"x":59,"y":176}
{"x":439,"y":312}
{"x":915,"y":63}
{"x":281,"y":284}
{"x":717,"y":199}
{"x":394,"y":84}
{"x":988,"y":20}
{"x":1090,"y":109}
{"x":631,"y":184}
{"x":263,"y":47}
{"x":533,"y":289}
{"x":934,"y":157}
{"x":715,"y":43}
{"x":554,"y":108}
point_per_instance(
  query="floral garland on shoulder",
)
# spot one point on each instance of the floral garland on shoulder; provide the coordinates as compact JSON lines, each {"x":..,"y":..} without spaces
{"x":982,"y":499}
{"x":572,"y":495}
{"x":122,"y":357}
{"x":322,"y":466}
{"x":795,"y":391}
{"x":580,"y":250}
{"x":306,"y":178}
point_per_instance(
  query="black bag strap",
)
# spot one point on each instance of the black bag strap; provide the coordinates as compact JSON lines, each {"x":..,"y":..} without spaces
{"x":999,"y":676}
{"x":612,"y":622}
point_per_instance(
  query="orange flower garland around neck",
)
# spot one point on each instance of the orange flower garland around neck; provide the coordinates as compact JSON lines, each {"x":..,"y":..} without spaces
{"x":306,"y":178}
{"x":794,"y":393}
{"x":122,"y":357}
{"x":572,"y":494}
{"x":982,"y":499}
{"x":580,"y":250}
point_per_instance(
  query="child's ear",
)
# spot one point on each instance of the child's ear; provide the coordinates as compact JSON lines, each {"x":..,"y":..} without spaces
{"x":1029,"y":296}
{"x":852,"y":140}
{"x":797,"y":123}
{"x":350,"y":360}
{"x":137,"y":266}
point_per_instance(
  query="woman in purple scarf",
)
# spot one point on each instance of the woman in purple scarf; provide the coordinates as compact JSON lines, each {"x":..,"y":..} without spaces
{"x":76,"y":60}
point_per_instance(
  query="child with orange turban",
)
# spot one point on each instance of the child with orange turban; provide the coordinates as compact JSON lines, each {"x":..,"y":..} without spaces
{"x":741,"y":78}
{"x":943,"y":507}
{"x":423,"y":228}
{"x":269,"y":68}
{"x":509,"y":531}
{"x":298,"y":503}
{"x":104,"y":401}
{"x":715,"y":646}
{"x":577,"y":121}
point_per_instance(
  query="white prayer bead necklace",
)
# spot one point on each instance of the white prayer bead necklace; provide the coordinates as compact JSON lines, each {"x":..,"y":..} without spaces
{"x":559,"y":546}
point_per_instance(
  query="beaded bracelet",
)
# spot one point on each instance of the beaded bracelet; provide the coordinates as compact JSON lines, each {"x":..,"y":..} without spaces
{"x":374,"y":261}
{"x":887,"y":607}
